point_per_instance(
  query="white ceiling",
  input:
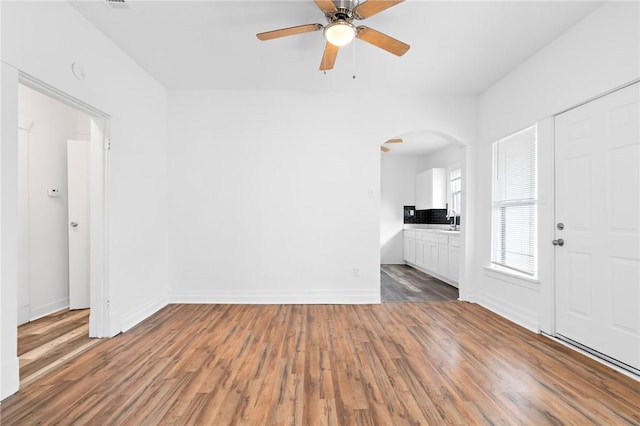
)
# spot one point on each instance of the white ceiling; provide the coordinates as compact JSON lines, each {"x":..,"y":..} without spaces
{"x":456,"y":47}
{"x":417,"y":143}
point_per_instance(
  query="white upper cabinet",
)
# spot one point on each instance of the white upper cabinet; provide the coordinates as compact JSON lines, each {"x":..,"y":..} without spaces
{"x":431,"y":189}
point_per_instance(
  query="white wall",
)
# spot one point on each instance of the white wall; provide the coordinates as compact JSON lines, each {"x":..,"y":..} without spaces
{"x":397,"y":189}
{"x":274,"y":195}
{"x":598,"y":54}
{"x":42,"y":40}
{"x":52,"y":123}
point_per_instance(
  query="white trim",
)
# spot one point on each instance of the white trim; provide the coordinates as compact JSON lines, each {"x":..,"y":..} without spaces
{"x":594,"y":357}
{"x":546,"y":223}
{"x":48,"y":309}
{"x":99,"y":285}
{"x":523,"y":317}
{"x":143,"y":312}
{"x":511,"y":277}
{"x":608,"y":92}
{"x":353,"y":297}
{"x":9,"y":371}
{"x":46,"y":89}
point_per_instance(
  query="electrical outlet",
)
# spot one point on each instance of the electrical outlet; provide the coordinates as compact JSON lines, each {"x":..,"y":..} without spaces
{"x":356,"y":272}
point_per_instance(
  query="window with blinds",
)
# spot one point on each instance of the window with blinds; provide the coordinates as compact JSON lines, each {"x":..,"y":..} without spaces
{"x":455,"y":180}
{"x":514,"y":216}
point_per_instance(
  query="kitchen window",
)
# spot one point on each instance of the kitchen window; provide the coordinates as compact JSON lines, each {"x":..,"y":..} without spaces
{"x":514,"y":209}
{"x":455,"y":183}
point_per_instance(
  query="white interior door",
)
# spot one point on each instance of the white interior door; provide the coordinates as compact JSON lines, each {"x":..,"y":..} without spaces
{"x":78,"y":222}
{"x":597,"y":190}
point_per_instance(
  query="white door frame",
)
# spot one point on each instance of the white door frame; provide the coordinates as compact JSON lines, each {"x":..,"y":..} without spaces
{"x":24,"y":286}
{"x":547,"y":213}
{"x":99,"y":325}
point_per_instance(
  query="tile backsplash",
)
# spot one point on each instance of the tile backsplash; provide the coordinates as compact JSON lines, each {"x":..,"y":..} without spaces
{"x":432,"y":216}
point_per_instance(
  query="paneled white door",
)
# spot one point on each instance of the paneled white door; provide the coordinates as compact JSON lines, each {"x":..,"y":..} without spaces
{"x":597,"y":191}
{"x":78,"y":212}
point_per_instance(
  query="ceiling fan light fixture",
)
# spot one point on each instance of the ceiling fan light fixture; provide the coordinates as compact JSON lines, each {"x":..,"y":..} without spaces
{"x":339,"y":33}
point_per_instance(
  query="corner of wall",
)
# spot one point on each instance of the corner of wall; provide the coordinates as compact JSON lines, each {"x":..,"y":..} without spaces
{"x":10,"y":378}
{"x":139,"y":314}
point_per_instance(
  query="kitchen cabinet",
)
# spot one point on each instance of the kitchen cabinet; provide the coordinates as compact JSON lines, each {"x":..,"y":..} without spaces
{"x":454,"y":258}
{"x":431,"y":251}
{"x":443,"y":255}
{"x":420,"y":244}
{"x":409,"y":247}
{"x":431,"y":189}
{"x":434,"y":252}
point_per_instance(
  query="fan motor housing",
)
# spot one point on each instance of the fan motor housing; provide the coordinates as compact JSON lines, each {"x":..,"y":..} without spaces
{"x":346,"y":4}
{"x":344,"y":11}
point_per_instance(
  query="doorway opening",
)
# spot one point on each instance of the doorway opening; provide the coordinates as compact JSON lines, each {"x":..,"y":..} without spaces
{"x":62,"y":177}
{"x":416,"y":267}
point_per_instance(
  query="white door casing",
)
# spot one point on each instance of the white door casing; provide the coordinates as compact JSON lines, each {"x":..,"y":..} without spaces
{"x":78,"y":172}
{"x":597,"y":193}
{"x":24,"y":287}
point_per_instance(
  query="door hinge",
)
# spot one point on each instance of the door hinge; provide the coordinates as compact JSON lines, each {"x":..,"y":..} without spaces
{"x":107,"y":144}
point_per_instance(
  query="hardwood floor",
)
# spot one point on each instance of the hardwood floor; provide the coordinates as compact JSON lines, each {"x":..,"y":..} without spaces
{"x":402,"y":283}
{"x":387,"y":364}
{"x":48,"y":342}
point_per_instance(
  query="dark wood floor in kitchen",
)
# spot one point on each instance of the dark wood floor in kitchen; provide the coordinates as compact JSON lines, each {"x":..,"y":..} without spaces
{"x":402,"y":283}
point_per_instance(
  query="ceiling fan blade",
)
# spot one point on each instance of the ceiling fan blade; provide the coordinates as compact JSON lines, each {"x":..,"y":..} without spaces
{"x":326,"y":5}
{"x":329,"y":57}
{"x":372,"y":7}
{"x":384,"y":148}
{"x":397,"y":140}
{"x":382,"y":41}
{"x":283,"y":32}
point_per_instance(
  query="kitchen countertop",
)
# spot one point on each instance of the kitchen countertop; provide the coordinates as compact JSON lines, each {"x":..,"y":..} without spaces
{"x":443,"y":229}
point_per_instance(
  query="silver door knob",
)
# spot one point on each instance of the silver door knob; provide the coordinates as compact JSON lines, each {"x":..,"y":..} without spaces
{"x":73,"y":224}
{"x":558,"y":242}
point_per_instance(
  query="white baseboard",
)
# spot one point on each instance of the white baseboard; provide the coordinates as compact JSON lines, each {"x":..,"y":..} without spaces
{"x":337,"y":297}
{"x":49,"y":308}
{"x":142,"y":312}
{"x":522,"y":317}
{"x":115,"y":323}
{"x":9,"y":377}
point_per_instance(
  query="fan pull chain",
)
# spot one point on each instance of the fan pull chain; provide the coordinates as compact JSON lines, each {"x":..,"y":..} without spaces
{"x":354,"y":59}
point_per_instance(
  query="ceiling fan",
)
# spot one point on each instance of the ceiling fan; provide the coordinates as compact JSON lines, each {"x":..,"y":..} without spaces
{"x":340,"y":30}
{"x":383,"y":148}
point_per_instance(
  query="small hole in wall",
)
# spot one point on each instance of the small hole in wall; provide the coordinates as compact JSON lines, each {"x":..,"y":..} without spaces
{"x":78,"y":71}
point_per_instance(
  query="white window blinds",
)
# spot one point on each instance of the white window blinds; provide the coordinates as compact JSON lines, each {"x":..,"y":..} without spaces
{"x":514,"y":202}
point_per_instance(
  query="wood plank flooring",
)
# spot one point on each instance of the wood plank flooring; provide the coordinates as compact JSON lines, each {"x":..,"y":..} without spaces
{"x":387,"y":364}
{"x":402,"y":283}
{"x":44,"y":344}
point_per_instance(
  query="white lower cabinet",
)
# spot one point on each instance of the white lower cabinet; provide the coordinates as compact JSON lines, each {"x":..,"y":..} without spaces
{"x":419,"y":253}
{"x":454,"y":258}
{"x":443,"y":255}
{"x":433,"y":252}
{"x":409,"y":247}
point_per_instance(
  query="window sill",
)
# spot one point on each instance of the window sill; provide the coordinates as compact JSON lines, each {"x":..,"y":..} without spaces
{"x":511,"y":276}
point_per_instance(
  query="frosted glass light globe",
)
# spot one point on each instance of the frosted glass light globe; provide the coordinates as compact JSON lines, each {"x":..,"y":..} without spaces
{"x":339,"y":33}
